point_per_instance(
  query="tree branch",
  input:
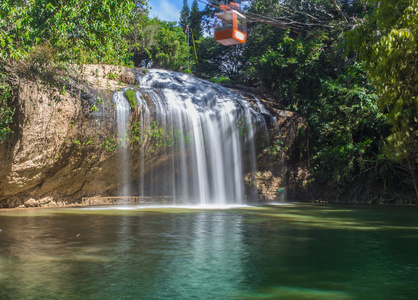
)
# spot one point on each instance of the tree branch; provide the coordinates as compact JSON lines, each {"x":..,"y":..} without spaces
{"x":339,"y":10}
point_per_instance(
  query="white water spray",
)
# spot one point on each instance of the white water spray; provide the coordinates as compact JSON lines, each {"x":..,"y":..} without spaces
{"x":122,"y":118}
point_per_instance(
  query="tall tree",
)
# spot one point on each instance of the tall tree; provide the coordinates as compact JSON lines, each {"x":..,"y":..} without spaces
{"x":184,"y":15}
{"x":162,"y":45}
{"x":387,"y":42}
{"x":76,"y":30}
{"x":196,"y":21}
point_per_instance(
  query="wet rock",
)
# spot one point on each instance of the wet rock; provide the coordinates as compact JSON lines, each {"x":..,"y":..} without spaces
{"x":86,"y":96}
{"x":128,"y":78}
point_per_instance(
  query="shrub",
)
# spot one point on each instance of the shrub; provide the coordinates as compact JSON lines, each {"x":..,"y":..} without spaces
{"x":130,"y":95}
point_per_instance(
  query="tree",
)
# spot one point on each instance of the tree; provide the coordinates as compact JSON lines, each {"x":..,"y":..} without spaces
{"x":217,"y":60}
{"x":196,"y":21}
{"x":162,"y":45}
{"x":76,"y":31}
{"x":46,"y":36}
{"x":13,"y":40}
{"x":387,"y":43}
{"x":184,"y":15}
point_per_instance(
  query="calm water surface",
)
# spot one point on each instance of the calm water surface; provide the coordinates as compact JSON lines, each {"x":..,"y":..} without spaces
{"x":294,"y":251}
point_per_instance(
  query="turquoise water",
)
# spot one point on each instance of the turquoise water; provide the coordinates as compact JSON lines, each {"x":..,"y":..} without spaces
{"x":294,"y":251}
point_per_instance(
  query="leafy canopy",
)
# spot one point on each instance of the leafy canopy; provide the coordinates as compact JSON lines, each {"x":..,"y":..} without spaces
{"x":77,"y":30}
{"x":161,"y":45}
{"x":387,"y":44}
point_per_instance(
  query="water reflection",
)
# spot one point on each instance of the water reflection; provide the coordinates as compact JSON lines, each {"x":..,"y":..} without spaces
{"x":250,"y":253}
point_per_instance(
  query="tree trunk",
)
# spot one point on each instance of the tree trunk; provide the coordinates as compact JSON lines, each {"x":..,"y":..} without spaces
{"x":412,"y":171}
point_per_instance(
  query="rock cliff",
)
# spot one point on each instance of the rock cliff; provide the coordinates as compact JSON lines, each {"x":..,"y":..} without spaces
{"x":64,"y":148}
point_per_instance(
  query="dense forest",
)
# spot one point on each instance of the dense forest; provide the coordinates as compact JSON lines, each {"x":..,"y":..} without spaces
{"x":347,"y":66}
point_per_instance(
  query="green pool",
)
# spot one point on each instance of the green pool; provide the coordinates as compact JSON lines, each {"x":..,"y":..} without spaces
{"x":291,"y":251}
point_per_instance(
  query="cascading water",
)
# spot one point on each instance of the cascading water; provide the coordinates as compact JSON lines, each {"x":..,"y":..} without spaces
{"x":193,"y":140}
{"x":122,"y":118}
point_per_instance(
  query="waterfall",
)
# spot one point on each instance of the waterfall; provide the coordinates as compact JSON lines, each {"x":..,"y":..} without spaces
{"x":122,"y":118}
{"x":191,"y":139}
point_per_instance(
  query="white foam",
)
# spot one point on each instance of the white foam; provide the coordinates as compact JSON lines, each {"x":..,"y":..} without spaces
{"x":144,"y":207}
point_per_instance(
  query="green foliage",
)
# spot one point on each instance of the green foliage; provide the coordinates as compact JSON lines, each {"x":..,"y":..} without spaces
{"x":157,"y":134}
{"x":112,"y":76}
{"x":109,"y":144}
{"x":161,"y":45}
{"x":14,"y":29}
{"x":136,"y":133}
{"x":63,"y":91}
{"x":93,"y":108}
{"x":77,"y":31}
{"x":184,"y":15}
{"x":307,"y":70}
{"x":221,"y":80}
{"x":243,"y":128}
{"x":195,"y":21}
{"x":6,"y":110}
{"x":48,"y":36}
{"x":152,"y":134}
{"x":130,"y":95}
{"x":286,"y":67}
{"x":387,"y":44}
{"x":277,"y":148}
{"x":345,"y":129}
{"x":216,"y":60}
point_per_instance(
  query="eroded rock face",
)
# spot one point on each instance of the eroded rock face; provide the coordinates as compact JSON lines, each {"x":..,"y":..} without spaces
{"x":43,"y":126}
{"x":281,"y":165}
{"x":61,"y":149}
{"x":47,"y":154}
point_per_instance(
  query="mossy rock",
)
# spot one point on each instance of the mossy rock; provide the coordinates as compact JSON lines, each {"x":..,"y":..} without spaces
{"x":130,"y":95}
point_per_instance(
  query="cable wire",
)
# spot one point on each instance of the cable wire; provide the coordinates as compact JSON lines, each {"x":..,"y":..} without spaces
{"x":293,"y":25}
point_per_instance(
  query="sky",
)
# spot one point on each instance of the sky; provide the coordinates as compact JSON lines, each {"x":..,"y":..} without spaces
{"x":169,"y":10}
